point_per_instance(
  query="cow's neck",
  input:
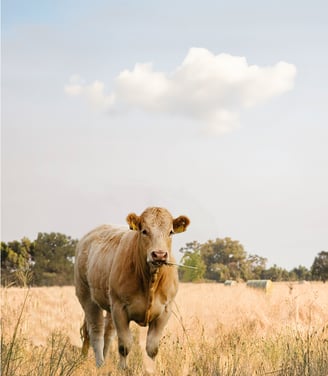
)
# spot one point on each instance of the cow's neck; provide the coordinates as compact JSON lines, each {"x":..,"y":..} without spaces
{"x":150,"y":276}
{"x":156,"y":276}
{"x":152,"y":285}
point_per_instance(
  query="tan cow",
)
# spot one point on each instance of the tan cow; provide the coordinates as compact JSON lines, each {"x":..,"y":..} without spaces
{"x":127,"y":273}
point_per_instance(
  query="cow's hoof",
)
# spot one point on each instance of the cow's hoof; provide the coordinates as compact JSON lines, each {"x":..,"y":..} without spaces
{"x":123,"y":363}
{"x":100,"y":362}
{"x":152,"y":352}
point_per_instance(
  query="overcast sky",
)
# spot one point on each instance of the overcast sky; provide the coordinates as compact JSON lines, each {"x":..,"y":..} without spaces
{"x":212,"y":109}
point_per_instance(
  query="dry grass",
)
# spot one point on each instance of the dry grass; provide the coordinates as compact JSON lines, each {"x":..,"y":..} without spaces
{"x":215,"y":330}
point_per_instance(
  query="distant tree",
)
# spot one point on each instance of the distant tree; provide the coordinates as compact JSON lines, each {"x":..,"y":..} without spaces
{"x":224,"y":259}
{"x":256,"y":266}
{"x":319,"y":267}
{"x":53,"y":257}
{"x":15,"y":254}
{"x":219,"y":272}
{"x":194,"y":265}
{"x":275,"y":273}
{"x":15,"y":261}
{"x":301,"y":273}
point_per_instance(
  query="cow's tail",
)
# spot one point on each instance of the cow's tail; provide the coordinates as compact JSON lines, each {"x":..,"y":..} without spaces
{"x":85,"y":338}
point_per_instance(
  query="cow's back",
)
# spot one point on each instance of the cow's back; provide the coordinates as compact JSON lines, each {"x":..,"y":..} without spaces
{"x":93,"y":262}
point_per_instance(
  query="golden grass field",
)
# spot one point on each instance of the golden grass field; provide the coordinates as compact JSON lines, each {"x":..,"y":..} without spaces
{"x":215,"y":330}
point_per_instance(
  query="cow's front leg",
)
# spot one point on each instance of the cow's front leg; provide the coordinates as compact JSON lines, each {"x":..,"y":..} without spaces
{"x":121,"y":322}
{"x":155,"y":332}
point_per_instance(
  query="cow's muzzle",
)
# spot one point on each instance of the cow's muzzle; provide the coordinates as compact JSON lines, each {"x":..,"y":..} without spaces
{"x":159,"y":258}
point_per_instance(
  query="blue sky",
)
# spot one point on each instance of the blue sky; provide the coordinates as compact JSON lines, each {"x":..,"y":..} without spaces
{"x":109,"y":108}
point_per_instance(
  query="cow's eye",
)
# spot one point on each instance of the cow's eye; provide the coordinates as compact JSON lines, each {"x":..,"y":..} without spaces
{"x":144,"y":232}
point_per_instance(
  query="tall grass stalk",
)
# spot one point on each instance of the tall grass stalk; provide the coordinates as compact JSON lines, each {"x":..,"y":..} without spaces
{"x":8,"y":351}
{"x":19,"y":357}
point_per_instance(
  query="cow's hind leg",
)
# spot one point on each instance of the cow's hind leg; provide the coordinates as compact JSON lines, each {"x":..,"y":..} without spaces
{"x":85,"y":338}
{"x":109,"y":332}
{"x":95,"y":325}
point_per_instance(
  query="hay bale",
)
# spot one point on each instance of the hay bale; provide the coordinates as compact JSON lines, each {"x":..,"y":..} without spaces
{"x":230,"y":282}
{"x":261,"y":284}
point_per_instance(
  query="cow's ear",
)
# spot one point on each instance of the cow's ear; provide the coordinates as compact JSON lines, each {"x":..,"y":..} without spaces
{"x":133,"y":221}
{"x":180,"y":224}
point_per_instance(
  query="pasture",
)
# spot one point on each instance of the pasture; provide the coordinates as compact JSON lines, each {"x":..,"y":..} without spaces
{"x":215,"y":330}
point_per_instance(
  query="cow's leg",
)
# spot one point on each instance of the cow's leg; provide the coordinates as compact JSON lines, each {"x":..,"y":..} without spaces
{"x":109,"y":332}
{"x":95,"y":323}
{"x":154,"y":335}
{"x":121,"y":322}
{"x":155,"y":331}
{"x":85,"y":338}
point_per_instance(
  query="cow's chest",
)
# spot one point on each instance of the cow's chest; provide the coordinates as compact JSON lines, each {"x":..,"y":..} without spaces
{"x":141,"y":307}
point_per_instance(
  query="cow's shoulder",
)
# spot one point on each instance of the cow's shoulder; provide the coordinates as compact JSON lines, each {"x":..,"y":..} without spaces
{"x":104,"y":234}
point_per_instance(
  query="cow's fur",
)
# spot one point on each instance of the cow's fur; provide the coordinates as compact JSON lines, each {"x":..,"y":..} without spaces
{"x":126,"y":272}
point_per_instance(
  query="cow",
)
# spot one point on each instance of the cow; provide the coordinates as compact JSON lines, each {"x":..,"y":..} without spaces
{"x":128,"y":273}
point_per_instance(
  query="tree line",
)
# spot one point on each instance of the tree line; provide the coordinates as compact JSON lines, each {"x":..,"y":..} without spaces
{"x":49,"y":261}
{"x":46,"y":261}
{"x":225,"y":259}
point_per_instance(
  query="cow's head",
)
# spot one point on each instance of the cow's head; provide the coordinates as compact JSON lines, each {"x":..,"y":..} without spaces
{"x":156,"y":227}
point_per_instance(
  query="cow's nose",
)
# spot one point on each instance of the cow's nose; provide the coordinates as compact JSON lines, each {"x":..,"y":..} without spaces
{"x":159,"y":255}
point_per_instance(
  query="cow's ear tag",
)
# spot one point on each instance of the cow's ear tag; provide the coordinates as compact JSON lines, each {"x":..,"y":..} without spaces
{"x":133,"y":227}
{"x":179,"y":229}
{"x":133,"y":221}
{"x":180,"y":224}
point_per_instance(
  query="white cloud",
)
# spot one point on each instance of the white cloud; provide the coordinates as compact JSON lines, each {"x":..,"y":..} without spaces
{"x":94,"y":93}
{"x":211,"y":89}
